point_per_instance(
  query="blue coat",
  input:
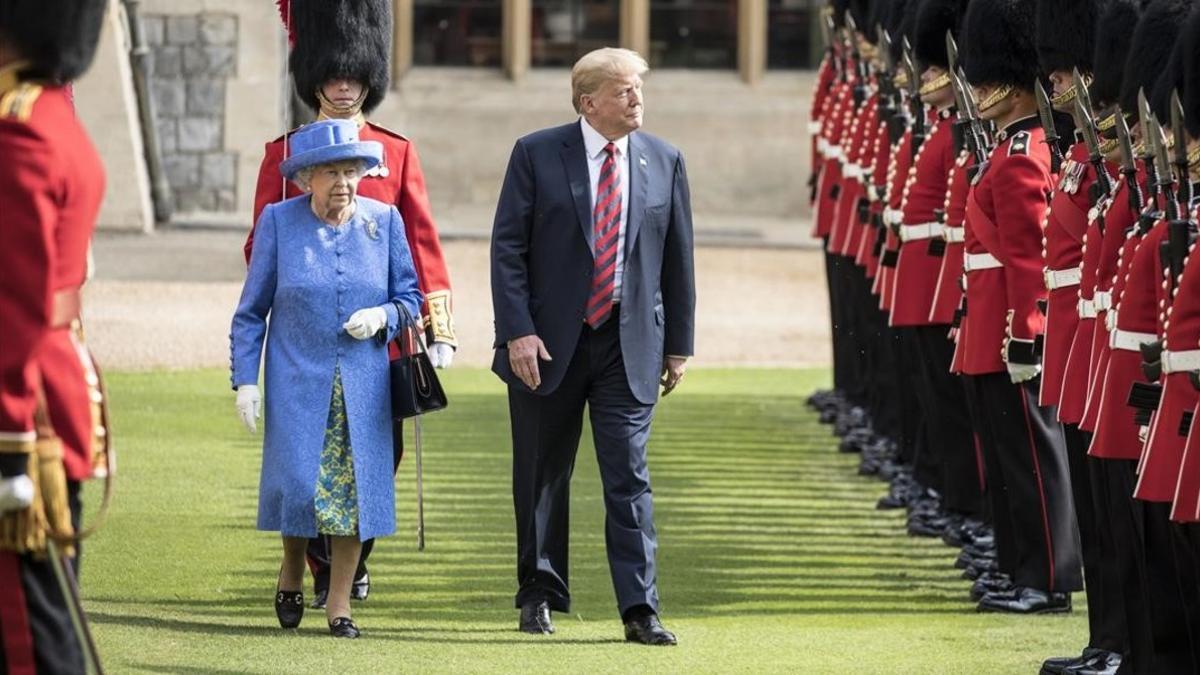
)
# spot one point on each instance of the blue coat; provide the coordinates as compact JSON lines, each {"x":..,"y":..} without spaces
{"x":309,"y":278}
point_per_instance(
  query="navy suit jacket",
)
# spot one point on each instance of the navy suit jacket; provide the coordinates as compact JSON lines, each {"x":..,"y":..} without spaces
{"x":542,"y":259}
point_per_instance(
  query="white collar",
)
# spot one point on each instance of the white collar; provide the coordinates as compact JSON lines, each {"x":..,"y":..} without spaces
{"x":594,"y":142}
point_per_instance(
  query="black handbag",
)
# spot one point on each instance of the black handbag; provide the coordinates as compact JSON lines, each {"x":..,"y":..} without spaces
{"x":415,"y":386}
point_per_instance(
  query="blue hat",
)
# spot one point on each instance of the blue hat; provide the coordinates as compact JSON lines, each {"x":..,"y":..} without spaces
{"x":328,"y":141}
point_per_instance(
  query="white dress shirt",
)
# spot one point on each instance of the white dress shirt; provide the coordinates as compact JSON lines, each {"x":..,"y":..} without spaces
{"x":593,"y":143}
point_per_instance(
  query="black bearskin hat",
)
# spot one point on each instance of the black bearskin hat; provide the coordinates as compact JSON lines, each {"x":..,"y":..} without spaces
{"x":1170,"y":79}
{"x":1113,"y":37}
{"x":1066,"y":32}
{"x":998,"y":45}
{"x":933,"y":19}
{"x":349,"y":39}
{"x":1190,"y":94}
{"x":58,"y":37}
{"x":880,"y":9}
{"x":895,"y":26}
{"x":839,"y":7}
{"x":1150,"y":49}
{"x":860,"y":11}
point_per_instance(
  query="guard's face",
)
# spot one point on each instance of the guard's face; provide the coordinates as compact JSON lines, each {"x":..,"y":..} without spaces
{"x":943,"y":97}
{"x":999,"y":110}
{"x":334,"y":185}
{"x":616,"y":108}
{"x":1061,"y":83}
{"x":342,"y":93}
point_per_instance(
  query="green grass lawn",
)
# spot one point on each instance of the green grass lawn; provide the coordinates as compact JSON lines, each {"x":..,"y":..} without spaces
{"x":772,"y":557}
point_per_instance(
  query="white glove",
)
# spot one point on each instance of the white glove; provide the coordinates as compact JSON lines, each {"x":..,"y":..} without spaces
{"x":1023,"y":372}
{"x":366,"y":322}
{"x":441,"y":355}
{"x":16,"y":493}
{"x":249,"y":405}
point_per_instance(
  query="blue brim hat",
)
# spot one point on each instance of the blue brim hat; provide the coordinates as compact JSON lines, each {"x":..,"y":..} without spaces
{"x":328,"y":141}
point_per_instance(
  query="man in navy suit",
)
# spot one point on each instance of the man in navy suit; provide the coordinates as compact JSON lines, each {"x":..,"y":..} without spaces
{"x":594,"y":296}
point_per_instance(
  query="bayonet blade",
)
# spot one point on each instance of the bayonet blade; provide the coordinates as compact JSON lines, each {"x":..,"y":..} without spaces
{"x":885,"y":44}
{"x":914,"y":81}
{"x":1127,"y":162}
{"x":1081,"y":91}
{"x":1158,"y":146}
{"x":1045,"y":113}
{"x":1144,"y":122}
{"x":1088,"y":129}
{"x":1179,"y":133}
{"x":850,"y":24}
{"x":951,"y":52}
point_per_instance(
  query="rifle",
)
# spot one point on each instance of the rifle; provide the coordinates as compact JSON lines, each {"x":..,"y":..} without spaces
{"x":1083,"y":109}
{"x":860,"y":82}
{"x":1147,"y":156}
{"x":888,"y":94}
{"x":1179,"y":134}
{"x":1046,"y":115}
{"x":1180,"y":228}
{"x":914,"y":98}
{"x":1128,"y":167}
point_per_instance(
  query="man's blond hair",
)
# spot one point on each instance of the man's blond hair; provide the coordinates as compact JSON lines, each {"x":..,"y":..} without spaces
{"x":598,"y":66}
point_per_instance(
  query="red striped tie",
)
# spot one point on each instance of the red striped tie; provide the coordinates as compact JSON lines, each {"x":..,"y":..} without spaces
{"x":606,"y":221}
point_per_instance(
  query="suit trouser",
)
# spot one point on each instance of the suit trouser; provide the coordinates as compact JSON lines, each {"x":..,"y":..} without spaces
{"x":318,"y":553}
{"x":1106,"y":619}
{"x":1029,"y":484}
{"x":949,"y":422}
{"x":1166,"y":594}
{"x":36,"y":634}
{"x":545,"y":432}
{"x":832,"y":286}
{"x":919,"y":410}
{"x":886,"y":413}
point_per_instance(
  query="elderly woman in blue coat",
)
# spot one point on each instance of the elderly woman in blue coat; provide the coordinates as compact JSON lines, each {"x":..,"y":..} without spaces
{"x":328,"y":273}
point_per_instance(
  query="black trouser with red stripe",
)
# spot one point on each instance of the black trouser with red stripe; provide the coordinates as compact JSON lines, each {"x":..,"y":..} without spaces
{"x":36,"y":635}
{"x":318,"y":553}
{"x":1028,"y":484}
{"x":1106,"y":613}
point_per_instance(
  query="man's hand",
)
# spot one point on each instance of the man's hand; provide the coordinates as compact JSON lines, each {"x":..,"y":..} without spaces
{"x":673,"y":369}
{"x":523,"y":355}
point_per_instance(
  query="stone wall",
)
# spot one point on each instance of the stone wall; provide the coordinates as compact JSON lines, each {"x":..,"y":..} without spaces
{"x":193,"y":56}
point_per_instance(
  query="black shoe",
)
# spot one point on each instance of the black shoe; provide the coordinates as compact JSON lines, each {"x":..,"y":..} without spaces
{"x":343,"y":627}
{"x":1103,"y":663}
{"x":1066,"y":664}
{"x":647,"y":630}
{"x":993,"y":583}
{"x":361,"y":587}
{"x":1026,"y":601}
{"x":535,"y":618}
{"x":289,"y":608}
{"x":319,"y":600}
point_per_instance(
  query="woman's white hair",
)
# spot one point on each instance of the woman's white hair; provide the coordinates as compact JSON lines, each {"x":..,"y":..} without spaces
{"x":303,"y":177}
{"x":596,"y":67}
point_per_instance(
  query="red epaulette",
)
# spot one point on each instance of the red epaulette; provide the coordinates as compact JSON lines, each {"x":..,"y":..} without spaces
{"x":386,"y":130}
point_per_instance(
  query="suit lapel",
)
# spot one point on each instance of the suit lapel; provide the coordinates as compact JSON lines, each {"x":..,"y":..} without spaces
{"x":574,"y":157}
{"x":639,"y":175}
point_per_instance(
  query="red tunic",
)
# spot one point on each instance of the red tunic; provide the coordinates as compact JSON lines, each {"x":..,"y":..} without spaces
{"x":948,"y":296}
{"x":820,"y":94}
{"x":1136,"y":309}
{"x":1066,"y":226}
{"x":1162,"y":455}
{"x":875,"y":178}
{"x":1004,"y":213}
{"x":397,"y":181}
{"x":845,"y":219}
{"x":1075,"y":388}
{"x":830,"y":182}
{"x":924,"y":192}
{"x":897,"y":175}
{"x":1115,"y":247}
{"x":53,"y":183}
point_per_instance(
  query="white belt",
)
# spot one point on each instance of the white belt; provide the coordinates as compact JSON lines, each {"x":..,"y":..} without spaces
{"x":1180,"y":362}
{"x":1103,"y":300}
{"x":920,"y":232}
{"x":1087,"y":309}
{"x":1056,"y":279}
{"x":892,"y":216}
{"x":1129,"y":340}
{"x":954,"y":235}
{"x":822,"y":146}
{"x":814,"y":127}
{"x":980,"y":261}
{"x":834,"y":151}
{"x":852,"y":170}
{"x":1110,"y":319}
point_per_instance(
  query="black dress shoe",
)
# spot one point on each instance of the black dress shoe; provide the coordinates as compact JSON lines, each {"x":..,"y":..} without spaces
{"x":289,"y":608}
{"x":991,"y":583}
{"x":648,"y":630}
{"x":319,"y":600}
{"x":1104,"y":663}
{"x":343,"y":627}
{"x":1026,"y":600}
{"x":1063,"y":664}
{"x":535,"y":618}
{"x":361,"y":587}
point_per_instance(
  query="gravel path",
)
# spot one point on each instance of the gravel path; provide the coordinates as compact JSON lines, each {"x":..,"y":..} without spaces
{"x":165,"y":301}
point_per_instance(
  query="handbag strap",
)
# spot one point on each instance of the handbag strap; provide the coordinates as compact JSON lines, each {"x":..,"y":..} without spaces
{"x":409,"y":322}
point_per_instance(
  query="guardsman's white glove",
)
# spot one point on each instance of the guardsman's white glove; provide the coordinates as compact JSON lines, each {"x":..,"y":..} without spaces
{"x":16,"y":493}
{"x":1023,"y":372}
{"x":366,"y":323}
{"x":249,"y":405}
{"x":441,"y":355}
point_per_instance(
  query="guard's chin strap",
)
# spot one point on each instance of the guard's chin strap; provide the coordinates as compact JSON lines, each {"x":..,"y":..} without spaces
{"x":329,"y":109}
